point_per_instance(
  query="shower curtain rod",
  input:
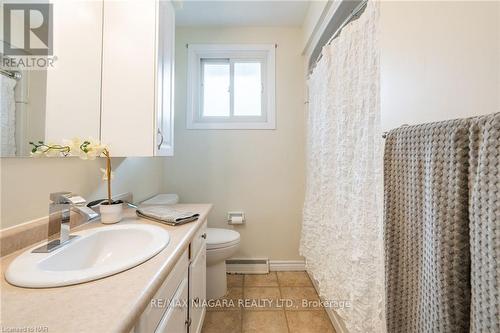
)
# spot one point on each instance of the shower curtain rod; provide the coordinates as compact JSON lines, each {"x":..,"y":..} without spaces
{"x":12,"y":74}
{"x":355,"y":14}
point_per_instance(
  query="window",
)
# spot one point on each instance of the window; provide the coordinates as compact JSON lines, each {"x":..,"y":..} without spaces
{"x":231,"y":87}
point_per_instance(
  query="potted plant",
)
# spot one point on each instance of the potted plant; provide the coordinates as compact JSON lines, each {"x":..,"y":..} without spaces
{"x":111,"y":211}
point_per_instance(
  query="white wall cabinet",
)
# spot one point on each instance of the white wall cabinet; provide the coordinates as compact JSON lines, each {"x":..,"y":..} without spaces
{"x":112,"y":78}
{"x":72,"y":100}
{"x":137,"y":77}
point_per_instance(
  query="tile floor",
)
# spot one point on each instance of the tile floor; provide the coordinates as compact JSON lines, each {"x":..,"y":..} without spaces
{"x":275,"y":302}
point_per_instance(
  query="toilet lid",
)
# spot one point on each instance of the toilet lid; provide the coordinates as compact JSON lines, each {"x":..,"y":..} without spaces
{"x":217,"y":238}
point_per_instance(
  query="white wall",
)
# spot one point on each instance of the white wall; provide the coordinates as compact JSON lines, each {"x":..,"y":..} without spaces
{"x":439,"y":60}
{"x":27,"y":182}
{"x":260,"y":172}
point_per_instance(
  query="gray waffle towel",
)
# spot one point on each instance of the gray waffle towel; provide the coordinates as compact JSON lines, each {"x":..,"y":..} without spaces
{"x":485,"y":223}
{"x":427,"y":228}
{"x":164,"y":214}
{"x":442,"y":225}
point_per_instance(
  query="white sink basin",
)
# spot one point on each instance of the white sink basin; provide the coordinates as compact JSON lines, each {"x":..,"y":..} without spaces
{"x":95,"y":254}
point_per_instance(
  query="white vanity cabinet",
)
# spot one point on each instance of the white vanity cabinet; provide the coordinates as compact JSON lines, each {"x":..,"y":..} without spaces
{"x":174,"y":319}
{"x":198,"y":280}
{"x":167,"y":310}
{"x":137,"y":77}
{"x":179,"y":304}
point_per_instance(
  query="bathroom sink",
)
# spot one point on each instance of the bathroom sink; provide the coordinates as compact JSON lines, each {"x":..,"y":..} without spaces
{"x":94,"y":254}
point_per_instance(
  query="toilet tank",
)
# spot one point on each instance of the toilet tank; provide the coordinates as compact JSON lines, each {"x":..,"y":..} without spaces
{"x":162,"y":199}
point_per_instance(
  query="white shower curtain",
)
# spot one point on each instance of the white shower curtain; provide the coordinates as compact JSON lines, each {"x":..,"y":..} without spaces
{"x":7,"y":117}
{"x":342,"y":219}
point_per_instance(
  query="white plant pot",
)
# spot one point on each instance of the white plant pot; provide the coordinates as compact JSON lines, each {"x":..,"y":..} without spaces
{"x":111,"y":213}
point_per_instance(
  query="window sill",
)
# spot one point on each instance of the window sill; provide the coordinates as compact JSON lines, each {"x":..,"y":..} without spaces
{"x":270,"y":125}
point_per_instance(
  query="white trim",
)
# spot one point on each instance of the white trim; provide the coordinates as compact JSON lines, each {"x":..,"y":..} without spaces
{"x":266,"y":52}
{"x":268,"y":125}
{"x":271,"y":266}
{"x":287,"y":265}
{"x":337,"y":322}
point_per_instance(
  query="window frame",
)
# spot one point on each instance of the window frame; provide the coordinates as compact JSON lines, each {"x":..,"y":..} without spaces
{"x":198,"y":54}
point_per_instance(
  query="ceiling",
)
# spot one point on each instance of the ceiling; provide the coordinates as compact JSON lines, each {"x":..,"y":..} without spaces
{"x":241,"y":13}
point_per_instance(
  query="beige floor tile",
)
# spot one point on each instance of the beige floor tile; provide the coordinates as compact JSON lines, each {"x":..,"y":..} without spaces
{"x":231,"y":301}
{"x":304,"y":298}
{"x":261,"y":280}
{"x":261,"y":298}
{"x":295,"y":286}
{"x":294,"y":279}
{"x":222,"y":321}
{"x":234,"y":280}
{"x":264,"y":322}
{"x":309,"y":322}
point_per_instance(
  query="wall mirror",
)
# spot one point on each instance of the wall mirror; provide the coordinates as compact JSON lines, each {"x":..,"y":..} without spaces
{"x":50,"y":72}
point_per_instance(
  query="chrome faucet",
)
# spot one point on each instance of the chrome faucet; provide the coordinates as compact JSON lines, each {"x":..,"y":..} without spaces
{"x":60,"y":207}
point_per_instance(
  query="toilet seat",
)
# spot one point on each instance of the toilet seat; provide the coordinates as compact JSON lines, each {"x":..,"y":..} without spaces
{"x":220,"y":238}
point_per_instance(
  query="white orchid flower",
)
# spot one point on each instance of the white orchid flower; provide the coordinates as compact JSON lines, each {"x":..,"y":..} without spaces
{"x":92,"y":149}
{"x":73,"y":144}
{"x":87,"y":149}
{"x":105,"y":174}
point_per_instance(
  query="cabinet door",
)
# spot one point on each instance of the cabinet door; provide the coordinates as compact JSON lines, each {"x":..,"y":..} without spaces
{"x":73,"y":85}
{"x":175,"y":318}
{"x":158,"y":306}
{"x":198,"y":289}
{"x":128,"y":76}
{"x":164,"y":144}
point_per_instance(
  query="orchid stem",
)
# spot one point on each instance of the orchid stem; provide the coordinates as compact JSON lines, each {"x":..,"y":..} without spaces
{"x":108,"y":172}
{"x":40,"y":148}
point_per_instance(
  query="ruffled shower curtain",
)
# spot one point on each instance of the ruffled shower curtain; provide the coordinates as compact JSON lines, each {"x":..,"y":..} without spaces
{"x":343,"y":210}
{"x":7,"y":117}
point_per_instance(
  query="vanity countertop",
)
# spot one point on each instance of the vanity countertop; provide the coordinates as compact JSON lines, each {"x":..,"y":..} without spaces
{"x":111,"y":304}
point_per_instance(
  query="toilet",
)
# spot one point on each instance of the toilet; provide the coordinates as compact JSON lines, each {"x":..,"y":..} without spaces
{"x":221,"y":245}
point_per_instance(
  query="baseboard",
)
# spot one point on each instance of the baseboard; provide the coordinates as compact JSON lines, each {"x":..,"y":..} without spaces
{"x":247,"y":266}
{"x":263,"y":266}
{"x":337,"y":322}
{"x":287,"y":265}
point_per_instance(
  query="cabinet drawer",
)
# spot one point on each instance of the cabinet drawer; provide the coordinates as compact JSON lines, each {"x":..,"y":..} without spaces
{"x":199,"y":240}
{"x":197,"y":290}
{"x":151,"y":317}
{"x":175,"y":318}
